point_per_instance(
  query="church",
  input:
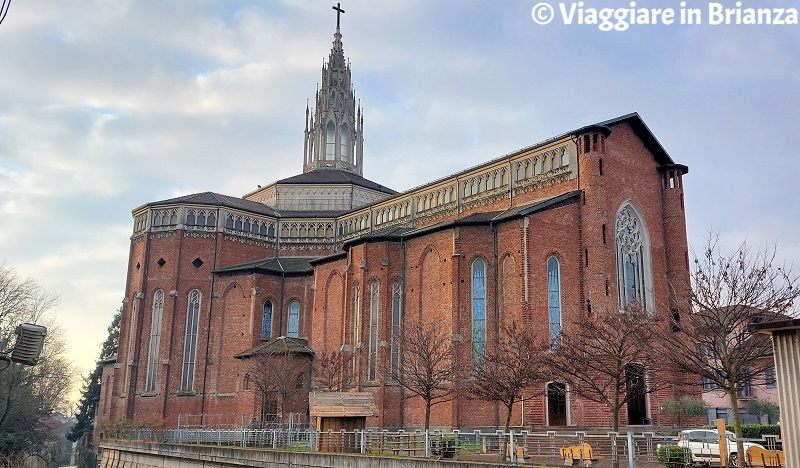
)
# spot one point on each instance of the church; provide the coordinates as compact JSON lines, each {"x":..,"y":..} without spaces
{"x":589,"y":219}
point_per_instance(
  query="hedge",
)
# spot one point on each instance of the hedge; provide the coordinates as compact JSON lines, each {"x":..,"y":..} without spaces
{"x":753,"y":431}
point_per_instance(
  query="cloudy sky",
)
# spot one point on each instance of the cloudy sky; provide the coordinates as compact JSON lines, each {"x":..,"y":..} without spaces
{"x":108,"y":104}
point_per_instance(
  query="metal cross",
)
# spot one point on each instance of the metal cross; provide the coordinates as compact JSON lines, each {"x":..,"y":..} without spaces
{"x":339,"y":12}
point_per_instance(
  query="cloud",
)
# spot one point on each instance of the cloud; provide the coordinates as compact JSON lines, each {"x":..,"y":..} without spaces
{"x":107,"y":105}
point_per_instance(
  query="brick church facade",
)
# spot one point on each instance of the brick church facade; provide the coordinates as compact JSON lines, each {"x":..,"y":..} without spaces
{"x":591,"y":218}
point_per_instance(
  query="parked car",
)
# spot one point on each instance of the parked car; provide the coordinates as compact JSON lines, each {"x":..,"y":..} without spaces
{"x":704,"y":444}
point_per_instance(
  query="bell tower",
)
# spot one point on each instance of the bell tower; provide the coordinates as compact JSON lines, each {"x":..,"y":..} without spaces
{"x":334,"y":139}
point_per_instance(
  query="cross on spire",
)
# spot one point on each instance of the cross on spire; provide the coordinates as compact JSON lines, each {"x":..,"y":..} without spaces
{"x":339,"y":12}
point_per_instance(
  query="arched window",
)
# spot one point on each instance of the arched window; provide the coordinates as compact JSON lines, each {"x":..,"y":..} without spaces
{"x":330,"y":141}
{"x":190,"y":219}
{"x":478,"y":309}
{"x":266,"y":321}
{"x":190,"y":344}
{"x":344,"y":150}
{"x":564,"y":157}
{"x":554,"y":296}
{"x":247,"y":381}
{"x":211,"y":220}
{"x":293,"y":330}
{"x":155,"y":341}
{"x":633,"y":258}
{"x":373,"y":329}
{"x":396,"y":303}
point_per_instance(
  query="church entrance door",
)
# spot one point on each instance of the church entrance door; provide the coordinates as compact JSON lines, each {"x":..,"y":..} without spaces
{"x":556,"y":404}
{"x":637,"y":394}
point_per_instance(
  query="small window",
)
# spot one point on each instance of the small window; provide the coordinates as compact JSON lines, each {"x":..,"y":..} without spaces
{"x":266,"y":321}
{"x":344,"y":150}
{"x":769,"y":378}
{"x":330,"y":141}
{"x":293,"y":330}
{"x":676,"y":320}
{"x":554,"y":296}
{"x":478,"y":309}
{"x":373,"y":329}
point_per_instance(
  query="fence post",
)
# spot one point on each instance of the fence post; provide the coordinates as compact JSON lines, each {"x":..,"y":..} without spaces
{"x":631,"y":450}
{"x":363,"y":441}
{"x":614,"y":448}
{"x":512,"y":446}
{"x":427,"y":444}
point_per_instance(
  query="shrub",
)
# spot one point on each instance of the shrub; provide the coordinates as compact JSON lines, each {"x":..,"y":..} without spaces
{"x":684,"y":408}
{"x":674,"y":456}
{"x":753,"y":431}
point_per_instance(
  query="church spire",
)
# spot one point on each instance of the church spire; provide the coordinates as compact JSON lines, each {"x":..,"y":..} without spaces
{"x":333,"y":138}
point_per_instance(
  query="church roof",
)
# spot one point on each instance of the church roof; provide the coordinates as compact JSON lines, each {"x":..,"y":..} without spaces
{"x":334,"y":176}
{"x":281,"y":345}
{"x":342,"y":404}
{"x":216,"y":199}
{"x":271,"y":265}
{"x":487,"y":217}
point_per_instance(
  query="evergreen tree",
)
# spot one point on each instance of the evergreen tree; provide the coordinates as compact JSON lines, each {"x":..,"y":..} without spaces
{"x":91,"y":385}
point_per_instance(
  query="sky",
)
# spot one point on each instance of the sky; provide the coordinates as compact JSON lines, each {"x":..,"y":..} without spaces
{"x":109,"y":104}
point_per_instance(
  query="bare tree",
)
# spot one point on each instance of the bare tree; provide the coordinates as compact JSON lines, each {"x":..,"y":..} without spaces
{"x":428,"y":367}
{"x":21,"y":300}
{"x":332,"y":373}
{"x":510,"y":368}
{"x":281,"y":377}
{"x":731,"y":291}
{"x":31,"y":395}
{"x":608,"y":357}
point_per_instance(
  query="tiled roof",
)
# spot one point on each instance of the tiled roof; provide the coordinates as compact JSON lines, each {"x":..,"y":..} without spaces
{"x":281,"y":345}
{"x":216,"y":199}
{"x":341,"y":404}
{"x":272,"y":265}
{"x":322,"y":176}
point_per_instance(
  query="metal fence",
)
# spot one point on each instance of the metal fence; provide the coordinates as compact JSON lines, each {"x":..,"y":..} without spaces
{"x":242,"y":420}
{"x":523,"y":447}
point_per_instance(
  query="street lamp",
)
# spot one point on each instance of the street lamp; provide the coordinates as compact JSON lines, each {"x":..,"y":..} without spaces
{"x":26,"y":351}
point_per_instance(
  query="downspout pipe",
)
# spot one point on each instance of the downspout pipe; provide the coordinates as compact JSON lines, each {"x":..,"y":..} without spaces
{"x":208,"y":333}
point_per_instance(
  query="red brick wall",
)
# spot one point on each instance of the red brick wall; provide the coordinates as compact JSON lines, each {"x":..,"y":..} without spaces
{"x":436,"y":268}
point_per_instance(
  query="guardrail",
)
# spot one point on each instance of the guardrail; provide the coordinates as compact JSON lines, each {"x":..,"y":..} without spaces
{"x":516,"y":447}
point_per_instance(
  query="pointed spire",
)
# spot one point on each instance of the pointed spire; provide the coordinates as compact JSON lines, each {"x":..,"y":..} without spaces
{"x":334,"y":138}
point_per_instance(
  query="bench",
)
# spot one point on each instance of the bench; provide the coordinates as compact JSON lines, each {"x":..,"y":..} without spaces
{"x":580,"y":455}
{"x":522,"y":452}
{"x":407,"y":451}
{"x":410,"y":445}
{"x":757,"y":456}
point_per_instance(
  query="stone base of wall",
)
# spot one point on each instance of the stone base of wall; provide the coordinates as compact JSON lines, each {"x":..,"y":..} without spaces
{"x":154,"y":455}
